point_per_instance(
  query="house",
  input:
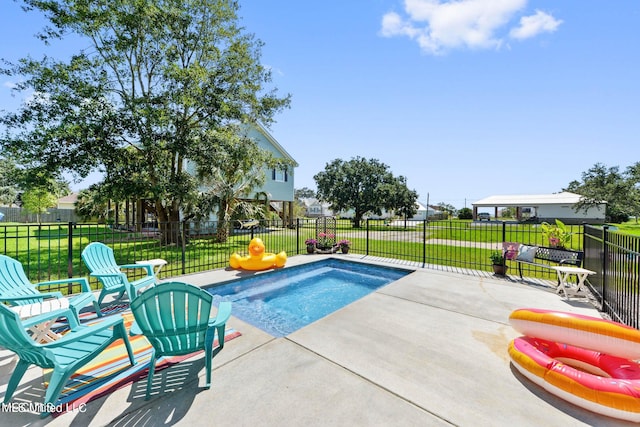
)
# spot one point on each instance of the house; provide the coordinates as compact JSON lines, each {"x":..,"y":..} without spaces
{"x":545,"y":207}
{"x":279,"y":182}
{"x":425,"y":212}
{"x":67,"y":202}
{"x":278,"y":187}
{"x":314,"y":208}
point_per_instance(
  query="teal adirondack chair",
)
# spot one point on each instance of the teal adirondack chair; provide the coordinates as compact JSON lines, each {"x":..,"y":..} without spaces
{"x":176,"y":319}
{"x":65,"y":356}
{"x":17,"y":290}
{"x":102,"y":265}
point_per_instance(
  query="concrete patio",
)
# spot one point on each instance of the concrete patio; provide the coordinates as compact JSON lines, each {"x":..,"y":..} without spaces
{"x":427,"y":350}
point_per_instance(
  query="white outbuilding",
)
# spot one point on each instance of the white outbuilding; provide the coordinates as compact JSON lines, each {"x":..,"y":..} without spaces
{"x":545,"y":207}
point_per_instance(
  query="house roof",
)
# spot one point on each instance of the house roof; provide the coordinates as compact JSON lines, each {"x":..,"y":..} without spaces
{"x":532,"y":200}
{"x":275,"y":143}
{"x":71,"y":198}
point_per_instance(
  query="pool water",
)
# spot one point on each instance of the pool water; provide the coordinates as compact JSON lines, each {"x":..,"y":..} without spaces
{"x":282,"y":301}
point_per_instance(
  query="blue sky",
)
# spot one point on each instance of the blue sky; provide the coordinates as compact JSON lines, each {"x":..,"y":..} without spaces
{"x":465,"y":99}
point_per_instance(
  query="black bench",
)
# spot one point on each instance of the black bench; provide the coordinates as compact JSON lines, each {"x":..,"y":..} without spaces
{"x":557,"y":256}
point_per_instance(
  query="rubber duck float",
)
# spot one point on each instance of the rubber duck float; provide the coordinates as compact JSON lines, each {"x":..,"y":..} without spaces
{"x":258,"y":259}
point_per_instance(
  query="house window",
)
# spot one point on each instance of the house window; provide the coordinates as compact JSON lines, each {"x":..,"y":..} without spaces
{"x":279,"y":175}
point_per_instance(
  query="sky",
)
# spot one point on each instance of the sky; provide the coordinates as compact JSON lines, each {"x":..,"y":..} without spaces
{"x":466,"y":99}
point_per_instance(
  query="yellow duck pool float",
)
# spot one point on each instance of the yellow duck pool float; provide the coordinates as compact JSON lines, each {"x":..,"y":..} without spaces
{"x":257,"y":258}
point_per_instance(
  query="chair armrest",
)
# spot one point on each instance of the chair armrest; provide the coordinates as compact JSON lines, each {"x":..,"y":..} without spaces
{"x":147,"y":267}
{"x":135,"y":329}
{"x":224,"y":312}
{"x":81,"y":280}
{"x":106,"y":273}
{"x":84,"y":331}
{"x":51,"y":315}
{"x":41,"y":296}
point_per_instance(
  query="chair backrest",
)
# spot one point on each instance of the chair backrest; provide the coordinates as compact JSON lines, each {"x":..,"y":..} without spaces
{"x":14,"y":337}
{"x":99,"y":257}
{"x":14,"y":282}
{"x":173,"y":316}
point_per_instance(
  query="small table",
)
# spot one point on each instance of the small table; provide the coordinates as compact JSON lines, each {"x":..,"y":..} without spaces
{"x":565,"y":272}
{"x":156,"y":263}
{"x":42,"y":331}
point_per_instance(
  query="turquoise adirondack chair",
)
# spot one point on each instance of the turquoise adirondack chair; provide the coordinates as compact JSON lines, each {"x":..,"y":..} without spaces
{"x":65,"y":356}
{"x":176,"y":319}
{"x":17,"y":290}
{"x":102,"y":265}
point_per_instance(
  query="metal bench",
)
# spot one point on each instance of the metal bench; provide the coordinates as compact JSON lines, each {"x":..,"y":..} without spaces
{"x":549,"y":256}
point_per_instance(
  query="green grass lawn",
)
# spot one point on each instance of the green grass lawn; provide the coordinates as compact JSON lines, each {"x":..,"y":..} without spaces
{"x":46,"y":248}
{"x":630,"y":227}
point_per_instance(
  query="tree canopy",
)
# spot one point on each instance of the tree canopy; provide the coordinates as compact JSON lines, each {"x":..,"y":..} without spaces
{"x":9,"y":187}
{"x":158,"y":83}
{"x":37,"y":201}
{"x":621,"y":190}
{"x":366,"y":186}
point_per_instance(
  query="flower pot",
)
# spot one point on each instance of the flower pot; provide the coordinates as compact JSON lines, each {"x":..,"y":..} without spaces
{"x":311,"y":249}
{"x":500,"y":269}
{"x":344,"y":249}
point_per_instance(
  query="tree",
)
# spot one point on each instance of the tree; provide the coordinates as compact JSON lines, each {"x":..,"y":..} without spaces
{"x":93,"y":203}
{"x":304,"y":193}
{"x":465,"y":213}
{"x":449,"y":209}
{"x":366,"y":186}
{"x":37,"y":201}
{"x":403,"y":199}
{"x":618,"y":189}
{"x":9,"y":187}
{"x":159,"y":80}
{"x":232,"y":170}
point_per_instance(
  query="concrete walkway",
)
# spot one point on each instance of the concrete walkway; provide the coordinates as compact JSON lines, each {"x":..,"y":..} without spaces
{"x":427,"y":350}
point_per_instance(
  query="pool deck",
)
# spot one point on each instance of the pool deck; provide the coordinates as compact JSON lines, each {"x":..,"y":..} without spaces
{"x":427,"y":350}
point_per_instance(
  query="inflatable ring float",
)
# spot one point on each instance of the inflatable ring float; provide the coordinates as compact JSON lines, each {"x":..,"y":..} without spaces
{"x":584,"y":360}
{"x":257,"y":258}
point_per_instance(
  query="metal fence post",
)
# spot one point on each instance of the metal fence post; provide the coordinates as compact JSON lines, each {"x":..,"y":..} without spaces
{"x":367,"y":237}
{"x":182,"y":224}
{"x":605,"y":262}
{"x":70,"y":250}
{"x":424,"y":242}
{"x":297,"y":236}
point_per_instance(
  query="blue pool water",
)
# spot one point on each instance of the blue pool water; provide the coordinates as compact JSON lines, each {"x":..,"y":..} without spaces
{"x":283,"y":301}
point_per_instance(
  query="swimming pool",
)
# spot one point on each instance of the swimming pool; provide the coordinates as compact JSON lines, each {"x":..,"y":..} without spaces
{"x":282,"y":301}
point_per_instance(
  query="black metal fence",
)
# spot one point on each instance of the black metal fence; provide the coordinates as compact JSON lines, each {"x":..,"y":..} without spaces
{"x":52,"y":251}
{"x":615,"y":257}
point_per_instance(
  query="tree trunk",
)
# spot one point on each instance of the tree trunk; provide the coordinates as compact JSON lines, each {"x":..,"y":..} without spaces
{"x":168,"y":224}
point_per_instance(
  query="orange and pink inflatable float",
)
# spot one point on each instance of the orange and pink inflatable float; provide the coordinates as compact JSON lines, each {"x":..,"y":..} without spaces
{"x":588,"y":361}
{"x":257,"y":259}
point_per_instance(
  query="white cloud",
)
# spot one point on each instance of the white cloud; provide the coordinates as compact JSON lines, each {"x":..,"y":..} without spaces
{"x":438,"y":26}
{"x":531,"y":26}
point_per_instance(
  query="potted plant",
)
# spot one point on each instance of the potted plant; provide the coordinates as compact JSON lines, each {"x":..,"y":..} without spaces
{"x":311,"y":245}
{"x":325,"y":241}
{"x":558,"y":235}
{"x":499,"y":263}
{"x":344,"y":246}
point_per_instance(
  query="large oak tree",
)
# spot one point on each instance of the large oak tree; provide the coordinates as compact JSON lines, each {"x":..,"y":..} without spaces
{"x":159,"y":83}
{"x":366,"y":186}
